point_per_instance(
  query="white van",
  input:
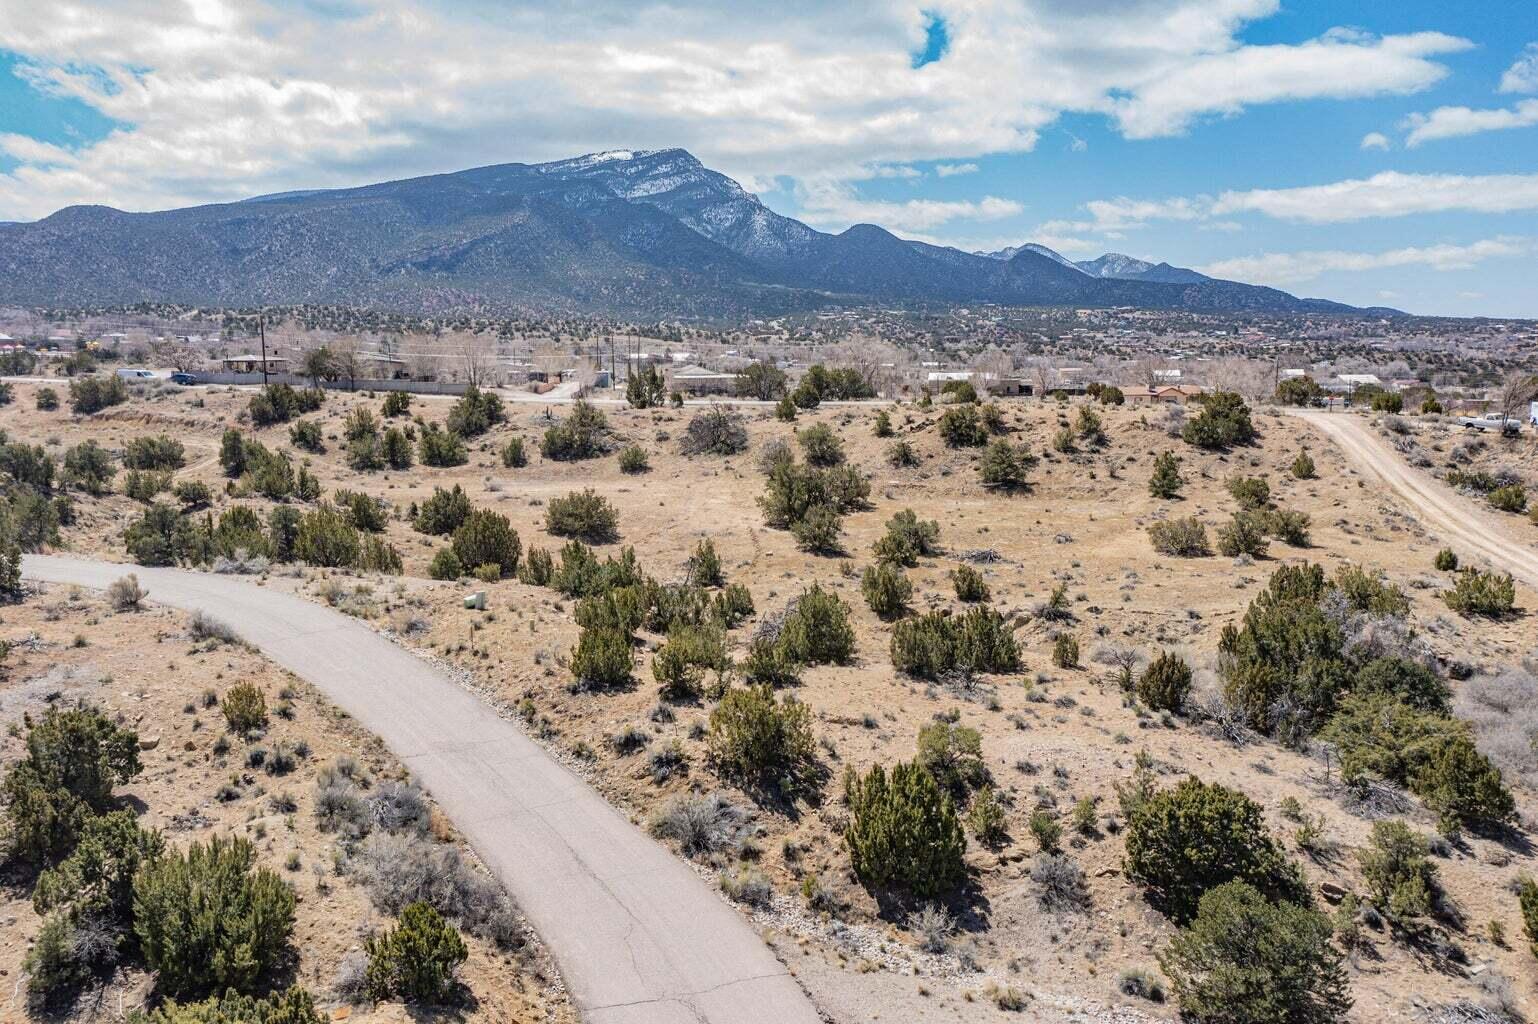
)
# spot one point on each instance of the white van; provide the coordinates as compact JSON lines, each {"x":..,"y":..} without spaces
{"x":131,"y":374}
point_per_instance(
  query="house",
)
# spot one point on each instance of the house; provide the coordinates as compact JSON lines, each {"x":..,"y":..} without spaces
{"x":1176,"y":393}
{"x":255,"y":364}
{"x":696,"y":380}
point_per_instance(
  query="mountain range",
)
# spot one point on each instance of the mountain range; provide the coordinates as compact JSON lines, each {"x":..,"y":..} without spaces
{"x":646,"y":233}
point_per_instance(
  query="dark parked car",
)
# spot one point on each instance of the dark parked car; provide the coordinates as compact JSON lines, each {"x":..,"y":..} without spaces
{"x":183,"y":378}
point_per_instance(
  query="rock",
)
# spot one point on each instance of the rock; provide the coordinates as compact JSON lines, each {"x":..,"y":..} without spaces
{"x":341,"y":1013}
{"x":149,"y":742}
{"x":1331,"y":892}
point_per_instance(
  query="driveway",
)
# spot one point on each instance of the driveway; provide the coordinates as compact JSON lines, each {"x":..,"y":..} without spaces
{"x":1506,"y":542}
{"x":639,"y":937}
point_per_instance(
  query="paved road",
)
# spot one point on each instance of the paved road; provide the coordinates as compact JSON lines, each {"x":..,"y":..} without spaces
{"x":1507,"y":542}
{"x":640,"y":939}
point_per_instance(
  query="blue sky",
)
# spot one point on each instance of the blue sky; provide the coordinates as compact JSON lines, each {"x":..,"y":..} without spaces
{"x":1369,"y":152}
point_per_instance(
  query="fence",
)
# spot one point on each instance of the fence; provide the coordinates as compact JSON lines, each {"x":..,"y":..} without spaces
{"x":416,"y":387}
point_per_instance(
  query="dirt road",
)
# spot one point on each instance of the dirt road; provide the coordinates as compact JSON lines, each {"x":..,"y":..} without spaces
{"x":640,"y":939}
{"x":1508,"y":544}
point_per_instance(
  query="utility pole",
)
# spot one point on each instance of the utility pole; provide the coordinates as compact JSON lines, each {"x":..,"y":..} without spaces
{"x":261,"y":326}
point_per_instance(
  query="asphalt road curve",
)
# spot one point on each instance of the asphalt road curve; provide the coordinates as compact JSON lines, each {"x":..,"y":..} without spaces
{"x":639,"y":937}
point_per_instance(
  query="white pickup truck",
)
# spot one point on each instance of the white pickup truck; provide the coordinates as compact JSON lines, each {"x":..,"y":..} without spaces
{"x":1491,"y":421}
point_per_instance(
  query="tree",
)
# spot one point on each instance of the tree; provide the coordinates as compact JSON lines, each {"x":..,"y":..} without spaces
{"x":96,"y":880}
{"x":488,"y":538}
{"x":1186,"y":841}
{"x":1300,"y":391}
{"x":1224,"y":421}
{"x":953,"y":754}
{"x":1165,"y":683}
{"x":1246,"y":960}
{"x":903,"y":831}
{"x":207,"y":921}
{"x":886,"y":589}
{"x":583,"y":514}
{"x":1166,"y":481}
{"x":318,"y":364}
{"x":295,"y":1006}
{"x":1400,"y":877}
{"x":907,"y":539}
{"x":92,"y":394}
{"x":762,"y":742}
{"x":415,"y":960}
{"x":1004,"y":466}
{"x":475,"y":413}
{"x":646,"y":389}
{"x":74,"y":758}
{"x":89,"y":467}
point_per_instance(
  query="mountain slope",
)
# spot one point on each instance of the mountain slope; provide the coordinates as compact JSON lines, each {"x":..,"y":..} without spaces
{"x":1129,"y":268}
{"x":652,"y":233}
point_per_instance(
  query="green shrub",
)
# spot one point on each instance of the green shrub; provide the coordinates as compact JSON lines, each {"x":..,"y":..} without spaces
{"x":903,"y":832}
{"x":1165,"y":683}
{"x":953,"y":754}
{"x":704,"y":565}
{"x":193,"y":494}
{"x":785,"y":410}
{"x":1182,"y":538}
{"x":295,"y":1006}
{"x":396,"y":403}
{"x":970,"y":585}
{"x":732,"y":605}
{"x":1476,"y":592}
{"x":1446,"y":560}
{"x":645,"y":389}
{"x":960,"y":427}
{"x":158,"y":537}
{"x":762,"y":743}
{"x":144,"y":485}
{"x":445,"y":565}
{"x":327,"y":539}
{"x":1401,"y":880}
{"x":1511,"y":498}
{"x":513,"y":454}
{"x":806,"y":396}
{"x":415,"y":960}
{"x":680,"y":664}
{"x":820,"y":445}
{"x":934,"y":645}
{"x":206,"y":921}
{"x":583,"y":514}
{"x":88,"y":467}
{"x":537,"y":569}
{"x":986,"y":819}
{"x":602,"y":658}
{"x":886,"y":589}
{"x":1299,"y":391}
{"x":475,"y":413}
{"x":93,"y":394}
{"x":1184,"y":842}
{"x":488,"y":538}
{"x":1410,"y":681}
{"x":232,"y":452}
{"x":158,"y":452}
{"x":60,"y":964}
{"x":306,"y":434}
{"x":632,"y":460}
{"x":1287,"y":525}
{"x":1065,"y":651}
{"x":763,"y":381}
{"x":441,"y":448}
{"x":883,"y":426}
{"x":718,"y":431}
{"x":768,"y":662}
{"x":244,"y":707}
{"x":1244,"y":958}
{"x":443,"y":512}
{"x":960,"y":391}
{"x":96,"y":879}
{"x":817,"y":630}
{"x":363,"y":511}
{"x":47,"y":399}
{"x":901,"y":454}
{"x":74,"y":758}
{"x":907,"y":539}
{"x":1527,"y":903}
{"x":1303,"y":467}
{"x":819,"y":531}
{"x":1387,"y":401}
{"x":1245,"y":534}
{"x":1224,"y":421}
{"x":581,"y":435}
{"x":1166,"y":480}
{"x":1251,"y":492}
{"x":1004,"y":466}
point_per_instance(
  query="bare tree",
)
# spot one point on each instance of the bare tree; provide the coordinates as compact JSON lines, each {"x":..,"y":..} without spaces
{"x":1516,"y":392}
{"x":347,"y":361}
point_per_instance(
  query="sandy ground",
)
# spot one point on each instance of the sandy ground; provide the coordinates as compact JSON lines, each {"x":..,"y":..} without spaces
{"x":1049,"y":734}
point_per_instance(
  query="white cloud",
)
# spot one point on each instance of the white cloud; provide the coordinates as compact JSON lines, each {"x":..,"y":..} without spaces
{"x":833,"y":206}
{"x":1285,"y":269}
{"x":1338,"y":64}
{"x":1522,"y":76}
{"x":227,"y":98}
{"x":896,"y":171}
{"x":951,"y":170}
{"x":1389,"y":194}
{"x":1455,"y":122}
{"x":1375,"y":140}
